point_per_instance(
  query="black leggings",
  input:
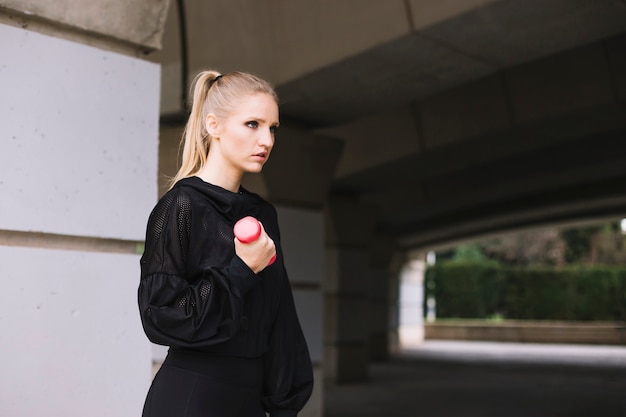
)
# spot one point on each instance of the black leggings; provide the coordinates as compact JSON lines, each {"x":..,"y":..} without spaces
{"x":193,"y":384}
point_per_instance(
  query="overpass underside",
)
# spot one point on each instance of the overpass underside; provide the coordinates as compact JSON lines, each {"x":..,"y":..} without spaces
{"x":468,"y":127}
{"x":558,"y":171}
{"x":442,"y":120}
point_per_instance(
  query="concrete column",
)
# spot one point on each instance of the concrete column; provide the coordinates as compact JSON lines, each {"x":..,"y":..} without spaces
{"x":78,"y":162}
{"x":347,"y":290}
{"x":397,"y":264}
{"x":411,"y":317}
{"x":302,"y":237}
{"x":380,"y":295}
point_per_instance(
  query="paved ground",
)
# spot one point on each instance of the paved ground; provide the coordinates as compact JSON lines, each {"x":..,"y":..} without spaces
{"x":446,"y":379}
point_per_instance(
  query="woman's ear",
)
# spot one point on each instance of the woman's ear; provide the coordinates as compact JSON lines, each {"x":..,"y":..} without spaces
{"x":212,"y":126}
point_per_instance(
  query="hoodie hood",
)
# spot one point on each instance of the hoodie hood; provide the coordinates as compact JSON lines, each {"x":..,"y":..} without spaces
{"x":229,"y":204}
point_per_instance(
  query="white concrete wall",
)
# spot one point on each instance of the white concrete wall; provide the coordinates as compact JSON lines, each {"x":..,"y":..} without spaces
{"x":72,"y":343}
{"x":302,"y":237}
{"x":411,"y":309}
{"x":78,"y":157}
{"x":79,"y":138}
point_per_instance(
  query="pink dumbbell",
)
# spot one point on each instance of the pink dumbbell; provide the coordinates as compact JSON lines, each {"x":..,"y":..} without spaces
{"x":248,"y":229}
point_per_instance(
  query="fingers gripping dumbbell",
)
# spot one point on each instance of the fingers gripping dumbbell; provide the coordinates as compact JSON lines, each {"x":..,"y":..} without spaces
{"x":248,"y":229}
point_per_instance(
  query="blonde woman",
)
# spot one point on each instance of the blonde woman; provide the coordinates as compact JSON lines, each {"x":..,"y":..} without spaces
{"x":236,"y":345}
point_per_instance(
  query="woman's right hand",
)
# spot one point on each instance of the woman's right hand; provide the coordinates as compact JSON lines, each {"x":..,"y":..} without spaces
{"x":256,"y":254}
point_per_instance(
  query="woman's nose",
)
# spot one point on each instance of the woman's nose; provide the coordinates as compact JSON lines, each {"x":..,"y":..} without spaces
{"x":267,"y":138}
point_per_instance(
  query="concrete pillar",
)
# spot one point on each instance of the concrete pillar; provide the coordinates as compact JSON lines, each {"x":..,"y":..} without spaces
{"x":411,"y":318}
{"x":302,"y":237}
{"x":393,"y":306}
{"x":380,"y":295}
{"x":77,"y":181}
{"x":347,"y":334}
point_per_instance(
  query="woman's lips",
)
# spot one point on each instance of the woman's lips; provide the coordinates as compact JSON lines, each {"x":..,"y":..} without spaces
{"x":260,"y":156}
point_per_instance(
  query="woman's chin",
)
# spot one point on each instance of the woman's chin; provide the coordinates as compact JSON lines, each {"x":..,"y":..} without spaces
{"x":254,"y":168}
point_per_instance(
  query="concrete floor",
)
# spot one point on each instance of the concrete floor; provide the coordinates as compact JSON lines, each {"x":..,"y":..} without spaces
{"x":446,"y":379}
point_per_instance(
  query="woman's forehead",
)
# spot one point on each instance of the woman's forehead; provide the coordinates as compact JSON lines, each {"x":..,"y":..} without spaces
{"x":258,"y":105}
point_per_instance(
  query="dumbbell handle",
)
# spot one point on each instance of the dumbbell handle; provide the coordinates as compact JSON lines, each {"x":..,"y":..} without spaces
{"x":248,"y":229}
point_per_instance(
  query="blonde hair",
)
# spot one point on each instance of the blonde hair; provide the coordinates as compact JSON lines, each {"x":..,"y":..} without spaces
{"x":212,"y":92}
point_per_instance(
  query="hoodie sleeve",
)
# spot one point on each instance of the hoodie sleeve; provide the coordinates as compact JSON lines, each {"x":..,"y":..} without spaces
{"x":178,"y":310}
{"x":288,"y":370}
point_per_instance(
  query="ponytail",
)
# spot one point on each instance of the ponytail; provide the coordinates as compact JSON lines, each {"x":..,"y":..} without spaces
{"x":195,"y":141}
{"x":212,"y":92}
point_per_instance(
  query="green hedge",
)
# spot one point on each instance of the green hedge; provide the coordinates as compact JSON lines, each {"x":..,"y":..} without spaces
{"x":484,"y":290}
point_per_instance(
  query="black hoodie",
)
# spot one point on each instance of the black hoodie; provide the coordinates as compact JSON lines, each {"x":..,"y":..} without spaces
{"x":196,"y":294}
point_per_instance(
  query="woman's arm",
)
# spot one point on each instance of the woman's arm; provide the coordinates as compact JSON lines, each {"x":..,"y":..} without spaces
{"x":179,"y":310}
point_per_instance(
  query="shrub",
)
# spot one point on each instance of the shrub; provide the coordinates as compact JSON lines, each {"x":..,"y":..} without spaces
{"x":474,"y":289}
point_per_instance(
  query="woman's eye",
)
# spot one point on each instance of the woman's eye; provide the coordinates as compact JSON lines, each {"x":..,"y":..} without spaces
{"x":273,"y":129}
{"x":252,"y":124}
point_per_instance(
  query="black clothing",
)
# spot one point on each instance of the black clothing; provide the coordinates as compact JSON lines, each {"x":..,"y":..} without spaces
{"x":205,"y":385}
{"x":203,"y":301}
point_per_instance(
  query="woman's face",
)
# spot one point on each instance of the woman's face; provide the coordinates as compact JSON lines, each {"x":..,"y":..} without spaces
{"x":246,"y":137}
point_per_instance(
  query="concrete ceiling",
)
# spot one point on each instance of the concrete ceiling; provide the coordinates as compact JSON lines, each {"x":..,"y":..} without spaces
{"x":475,"y":44}
{"x":431,"y":194}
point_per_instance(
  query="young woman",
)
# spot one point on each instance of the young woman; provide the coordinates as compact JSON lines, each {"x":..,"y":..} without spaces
{"x":236,"y":345}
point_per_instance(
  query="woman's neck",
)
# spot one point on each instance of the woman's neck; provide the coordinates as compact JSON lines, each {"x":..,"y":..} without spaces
{"x":213,"y":174}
